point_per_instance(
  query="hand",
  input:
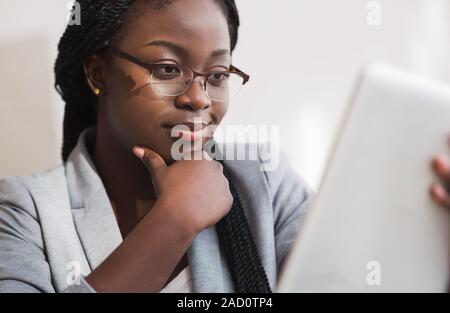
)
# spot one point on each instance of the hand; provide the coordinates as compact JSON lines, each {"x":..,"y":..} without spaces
{"x":194,"y":193}
{"x":440,"y":191}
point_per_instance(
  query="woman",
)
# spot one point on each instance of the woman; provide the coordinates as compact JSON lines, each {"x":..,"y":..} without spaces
{"x":121,"y":214}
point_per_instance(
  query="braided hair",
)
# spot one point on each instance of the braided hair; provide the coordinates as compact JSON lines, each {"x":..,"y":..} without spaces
{"x":100,"y":21}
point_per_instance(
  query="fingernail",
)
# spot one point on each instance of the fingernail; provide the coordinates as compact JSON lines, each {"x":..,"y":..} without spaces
{"x":139,"y":152}
{"x":434,"y":161}
{"x":443,"y":164}
{"x":437,"y":164}
{"x":439,"y":191}
{"x":442,"y":158}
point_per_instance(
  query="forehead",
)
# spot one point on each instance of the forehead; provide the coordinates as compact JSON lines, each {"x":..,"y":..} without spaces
{"x":194,"y":24}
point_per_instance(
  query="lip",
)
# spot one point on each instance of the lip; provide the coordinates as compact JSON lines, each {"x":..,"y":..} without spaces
{"x":188,"y":130}
{"x":192,"y":126}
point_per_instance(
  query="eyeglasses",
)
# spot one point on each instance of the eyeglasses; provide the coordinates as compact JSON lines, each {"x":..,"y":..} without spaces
{"x":173,"y":80}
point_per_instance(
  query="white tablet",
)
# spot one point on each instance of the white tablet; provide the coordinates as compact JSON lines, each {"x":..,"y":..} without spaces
{"x":373,"y":226}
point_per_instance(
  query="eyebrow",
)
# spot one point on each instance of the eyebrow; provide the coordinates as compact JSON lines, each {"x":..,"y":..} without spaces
{"x":182,"y":51}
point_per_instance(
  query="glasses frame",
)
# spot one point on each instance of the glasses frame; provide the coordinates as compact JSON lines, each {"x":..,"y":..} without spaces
{"x":151,"y":66}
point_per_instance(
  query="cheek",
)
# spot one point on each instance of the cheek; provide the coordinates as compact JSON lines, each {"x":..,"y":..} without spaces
{"x":137,"y":114}
{"x":132,"y":109}
{"x":127,"y":82}
{"x":136,"y":120}
{"x":220,"y":109}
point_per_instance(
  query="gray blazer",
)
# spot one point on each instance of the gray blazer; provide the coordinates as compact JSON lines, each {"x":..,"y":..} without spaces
{"x":58,"y":226}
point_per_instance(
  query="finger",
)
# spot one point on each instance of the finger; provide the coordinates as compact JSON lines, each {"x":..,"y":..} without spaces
{"x":152,"y":160}
{"x":440,"y":195}
{"x":190,"y":155}
{"x":196,"y":155}
{"x":206,"y":156}
{"x":441,"y":166}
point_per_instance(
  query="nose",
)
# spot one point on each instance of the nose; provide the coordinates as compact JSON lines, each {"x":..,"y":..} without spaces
{"x":195,"y":98}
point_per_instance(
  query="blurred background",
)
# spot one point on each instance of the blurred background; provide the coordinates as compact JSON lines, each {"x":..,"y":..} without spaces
{"x":303,"y":57}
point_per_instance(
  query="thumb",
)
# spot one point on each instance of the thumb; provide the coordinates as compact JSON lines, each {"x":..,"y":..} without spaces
{"x":152,"y":160}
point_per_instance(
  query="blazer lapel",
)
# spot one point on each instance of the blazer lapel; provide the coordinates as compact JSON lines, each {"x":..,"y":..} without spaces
{"x":208,"y":266}
{"x":97,"y":228}
{"x":92,"y":212}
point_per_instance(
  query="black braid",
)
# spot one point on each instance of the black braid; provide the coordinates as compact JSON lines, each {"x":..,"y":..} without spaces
{"x":100,"y":20}
{"x":242,"y":255}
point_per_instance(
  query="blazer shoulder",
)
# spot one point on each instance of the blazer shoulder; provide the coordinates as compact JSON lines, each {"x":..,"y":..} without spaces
{"x":17,"y":192}
{"x":25,"y":256}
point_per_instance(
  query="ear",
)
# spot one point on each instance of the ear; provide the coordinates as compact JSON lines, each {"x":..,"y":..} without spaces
{"x":94,"y":70}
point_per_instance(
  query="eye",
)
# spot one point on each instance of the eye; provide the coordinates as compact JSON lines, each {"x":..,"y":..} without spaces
{"x":219,"y":77}
{"x":166,"y":72}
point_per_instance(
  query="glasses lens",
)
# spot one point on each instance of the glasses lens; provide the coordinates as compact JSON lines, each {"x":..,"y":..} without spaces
{"x":224,"y":86}
{"x":170,"y":80}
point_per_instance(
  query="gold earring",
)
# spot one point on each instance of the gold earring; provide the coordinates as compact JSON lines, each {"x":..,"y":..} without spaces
{"x":97,"y":91}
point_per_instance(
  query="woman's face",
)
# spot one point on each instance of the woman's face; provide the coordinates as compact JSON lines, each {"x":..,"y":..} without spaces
{"x":190,"y":33}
